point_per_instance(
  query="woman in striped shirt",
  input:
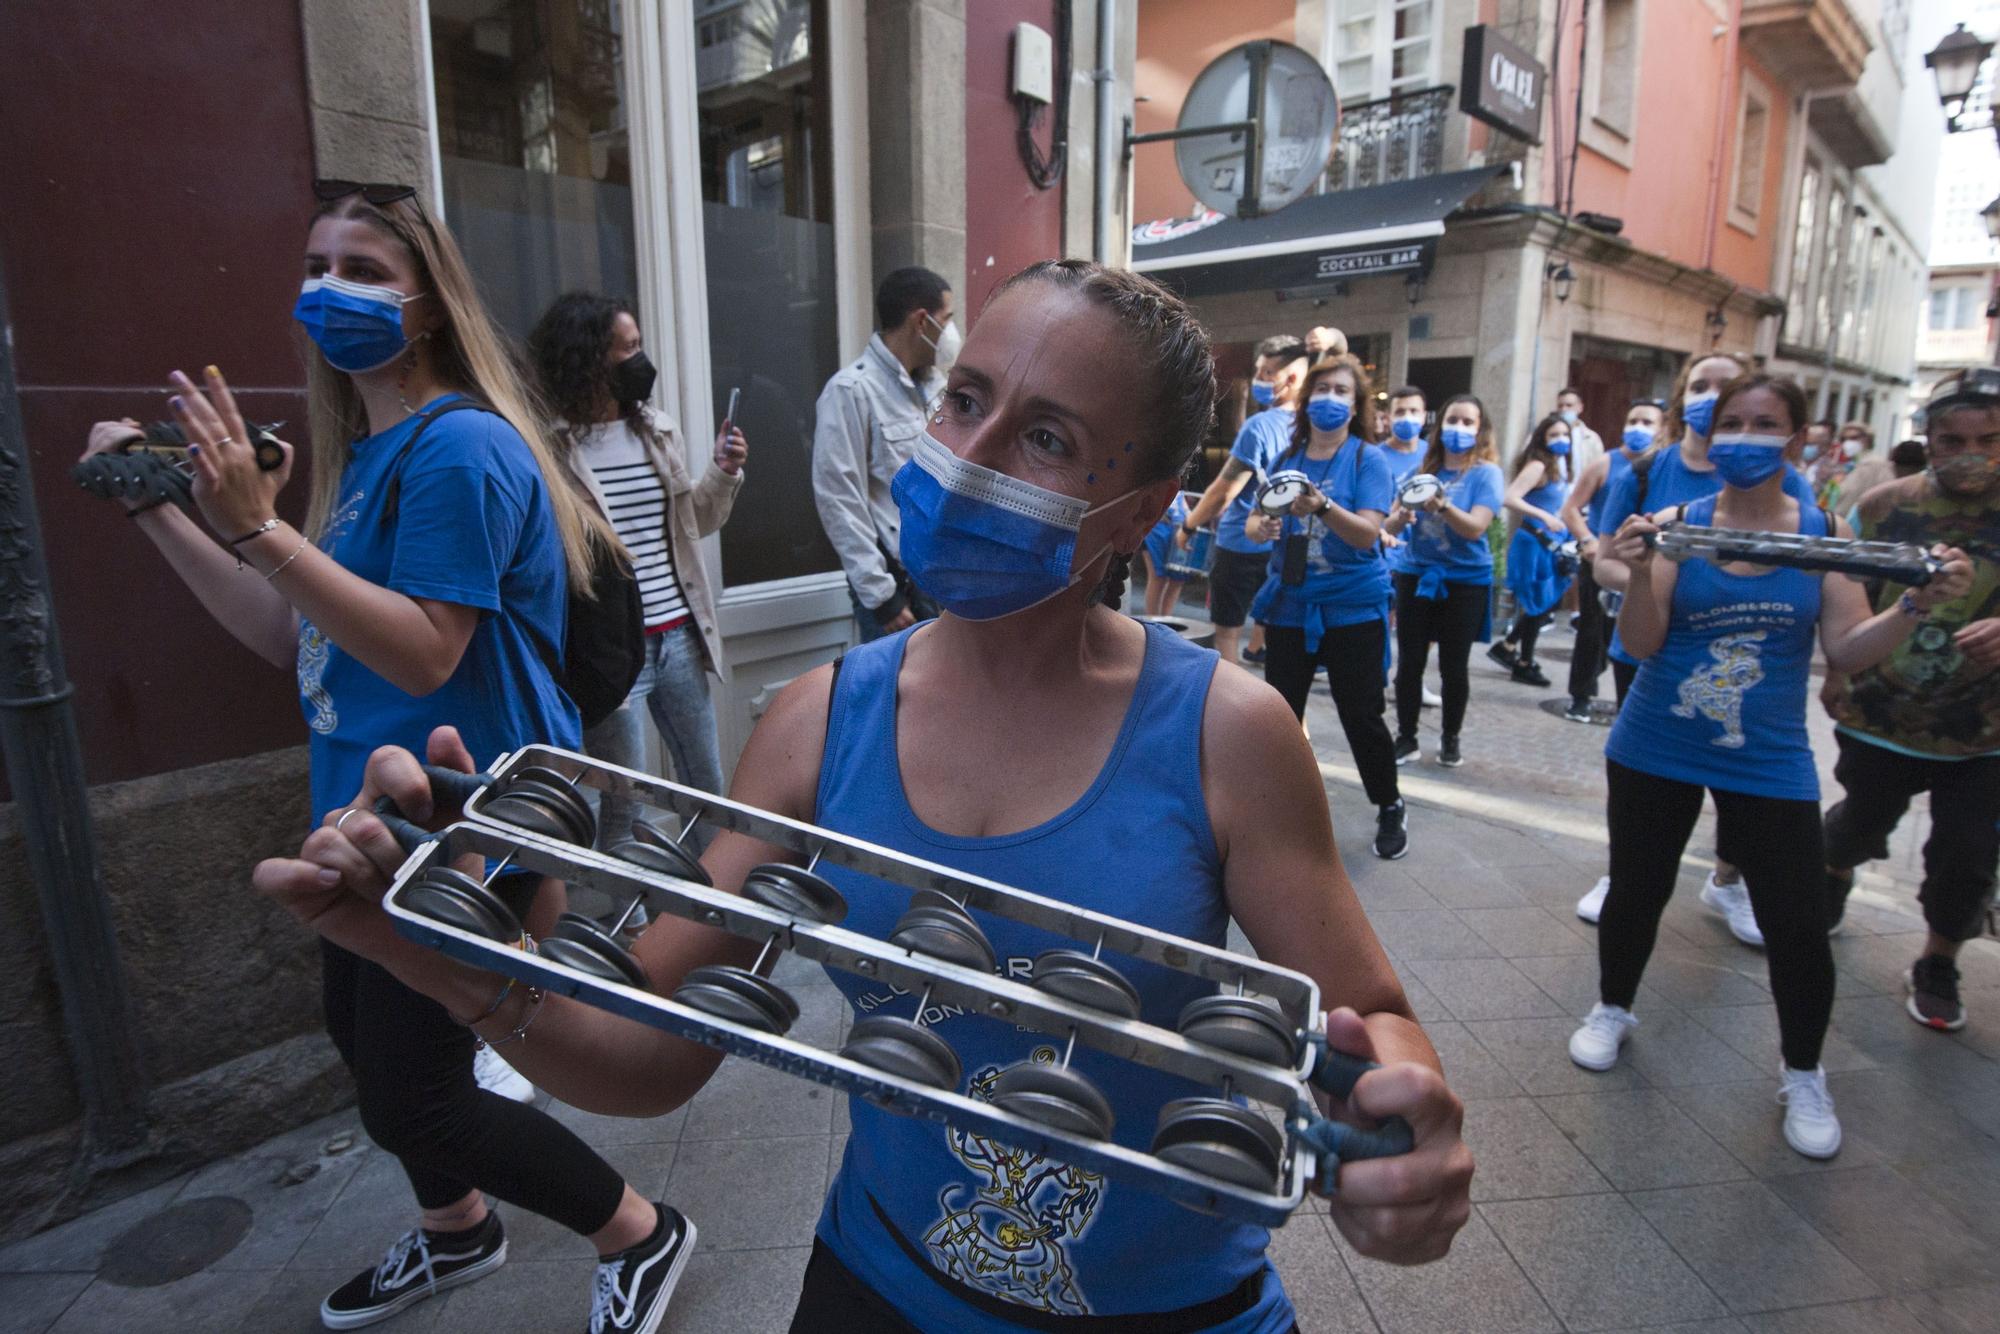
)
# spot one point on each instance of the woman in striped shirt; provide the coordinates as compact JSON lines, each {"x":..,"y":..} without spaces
{"x":630,"y":460}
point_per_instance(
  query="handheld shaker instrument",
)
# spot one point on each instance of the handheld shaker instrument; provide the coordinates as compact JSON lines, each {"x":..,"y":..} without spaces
{"x":1896,"y":562}
{"x":154,"y":463}
{"x":1418,"y":489}
{"x":1259,"y":1035}
{"x":1279,"y":491}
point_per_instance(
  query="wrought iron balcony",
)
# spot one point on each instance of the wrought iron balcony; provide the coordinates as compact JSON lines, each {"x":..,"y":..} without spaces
{"x":1397,"y":138}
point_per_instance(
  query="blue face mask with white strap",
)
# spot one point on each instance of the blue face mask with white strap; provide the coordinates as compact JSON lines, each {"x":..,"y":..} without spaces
{"x":982,"y":544}
{"x":1406,"y":429}
{"x":1746,"y":460}
{"x":1458,"y":440}
{"x":1699,"y":413}
{"x":1558,"y":445}
{"x":1328,"y":413}
{"x":1263,"y":393}
{"x":358,"y":327}
{"x":1638,"y":439}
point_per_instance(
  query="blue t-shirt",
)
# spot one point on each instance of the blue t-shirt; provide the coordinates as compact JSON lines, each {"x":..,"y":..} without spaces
{"x":1723,"y":701}
{"x":1669,"y":482}
{"x":1160,"y":542}
{"x":1619,"y":462}
{"x":472,"y":526}
{"x":1343,"y":585}
{"x":1264,"y":439}
{"x":1401,"y":465}
{"x":1434,"y":548}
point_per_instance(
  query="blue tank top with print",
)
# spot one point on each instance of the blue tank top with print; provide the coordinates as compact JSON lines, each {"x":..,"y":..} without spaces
{"x":915,"y":1202}
{"x":1723,"y":701}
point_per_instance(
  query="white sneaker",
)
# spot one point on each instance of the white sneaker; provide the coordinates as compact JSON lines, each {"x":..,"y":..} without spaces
{"x":1591,"y":906}
{"x":1432,"y":699}
{"x":490,"y":1068}
{"x":1732,"y":902}
{"x":1810,"y":1125}
{"x":1595,"y":1045}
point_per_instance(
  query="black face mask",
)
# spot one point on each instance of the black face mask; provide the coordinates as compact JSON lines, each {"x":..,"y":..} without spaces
{"x":632,"y":380}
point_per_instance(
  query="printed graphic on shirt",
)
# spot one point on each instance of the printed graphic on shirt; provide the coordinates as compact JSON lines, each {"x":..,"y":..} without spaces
{"x":1715,"y":689}
{"x":314,"y":647}
{"x":1009,"y":1233}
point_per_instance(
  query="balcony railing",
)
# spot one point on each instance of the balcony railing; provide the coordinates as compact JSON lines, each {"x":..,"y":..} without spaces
{"x":1398,"y":138}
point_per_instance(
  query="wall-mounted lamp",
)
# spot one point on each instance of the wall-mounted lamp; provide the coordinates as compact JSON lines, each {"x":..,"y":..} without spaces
{"x":1561,"y":277}
{"x":1413,"y":286}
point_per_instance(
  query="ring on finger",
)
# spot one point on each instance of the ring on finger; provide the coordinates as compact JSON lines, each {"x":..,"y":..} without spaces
{"x":224,"y":441}
{"x":345,"y":816}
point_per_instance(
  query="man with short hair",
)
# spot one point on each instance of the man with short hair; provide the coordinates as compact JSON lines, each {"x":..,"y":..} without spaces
{"x":1585,"y":445}
{"x":1239,"y":562}
{"x":1927,"y":719}
{"x":868,"y":420}
{"x":1403,"y":445}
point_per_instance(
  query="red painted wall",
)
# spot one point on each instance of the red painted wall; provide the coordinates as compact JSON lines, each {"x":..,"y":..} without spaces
{"x":1177,"y":40}
{"x":157,"y":166}
{"x":1009,"y":224}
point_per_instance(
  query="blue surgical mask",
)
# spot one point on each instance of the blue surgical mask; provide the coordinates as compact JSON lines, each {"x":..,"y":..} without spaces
{"x":1458,"y":440}
{"x":1747,"y":460}
{"x":982,"y":544}
{"x":1809,"y":453}
{"x":1263,"y":392}
{"x":1406,"y":429}
{"x":358,"y":327}
{"x":1638,"y":438}
{"x":1568,"y":416}
{"x":1328,"y":413}
{"x":1558,"y":446}
{"x":1699,"y":413}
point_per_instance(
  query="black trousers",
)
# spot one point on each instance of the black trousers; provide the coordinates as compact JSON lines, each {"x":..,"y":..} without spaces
{"x":1525,"y":632}
{"x":412,"y":1070}
{"x":1960,"y":854}
{"x":1622,"y":673}
{"x":1451,"y":622}
{"x":1593,"y":636}
{"x":1352,"y":656}
{"x":1775,"y":841}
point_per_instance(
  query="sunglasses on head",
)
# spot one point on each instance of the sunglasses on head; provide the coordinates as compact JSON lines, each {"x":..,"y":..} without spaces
{"x":326,"y":191}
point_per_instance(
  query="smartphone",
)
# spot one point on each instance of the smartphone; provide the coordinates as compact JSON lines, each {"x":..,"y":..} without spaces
{"x":729,"y":418}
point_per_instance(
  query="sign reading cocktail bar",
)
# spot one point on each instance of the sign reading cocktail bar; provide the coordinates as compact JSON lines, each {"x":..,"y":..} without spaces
{"x":1502,"y":84}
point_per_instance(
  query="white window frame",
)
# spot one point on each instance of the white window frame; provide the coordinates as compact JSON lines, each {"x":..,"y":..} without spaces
{"x":1600,"y":134}
{"x":1746,"y":219}
{"x":1382,"y":53}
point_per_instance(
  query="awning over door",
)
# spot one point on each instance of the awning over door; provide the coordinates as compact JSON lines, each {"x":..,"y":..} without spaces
{"x":1321,"y":239}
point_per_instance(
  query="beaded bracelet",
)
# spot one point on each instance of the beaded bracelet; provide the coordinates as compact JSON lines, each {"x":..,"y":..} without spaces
{"x":1908,"y":606}
{"x":527,"y":1017}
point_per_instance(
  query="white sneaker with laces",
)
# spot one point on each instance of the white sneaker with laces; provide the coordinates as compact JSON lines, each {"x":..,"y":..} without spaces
{"x":1595,"y":1045}
{"x":1810,"y":1125}
{"x":1591,"y":906}
{"x":1732,"y":903}
{"x":494,"y":1075}
{"x":1432,"y":699}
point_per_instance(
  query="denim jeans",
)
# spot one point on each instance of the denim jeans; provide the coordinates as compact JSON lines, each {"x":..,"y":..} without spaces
{"x":673,"y":687}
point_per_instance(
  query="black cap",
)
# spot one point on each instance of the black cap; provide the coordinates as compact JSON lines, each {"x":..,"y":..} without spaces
{"x":1974,"y":387}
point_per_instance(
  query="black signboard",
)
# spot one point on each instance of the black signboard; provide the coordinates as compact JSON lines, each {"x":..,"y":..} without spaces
{"x":1301,"y":269}
{"x":1502,"y":84}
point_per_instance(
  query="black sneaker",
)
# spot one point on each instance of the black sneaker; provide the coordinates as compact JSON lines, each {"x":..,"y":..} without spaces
{"x":1255,"y":657}
{"x":1505,"y":656}
{"x":1933,"y":1000}
{"x":420,"y":1264}
{"x":1578,"y":711}
{"x":1448,"y":754}
{"x":1392,"y":832}
{"x":1406,"y":749}
{"x":1530,"y":674}
{"x":631,"y":1289}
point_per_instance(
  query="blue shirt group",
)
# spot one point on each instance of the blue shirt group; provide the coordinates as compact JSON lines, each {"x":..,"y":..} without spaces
{"x":1435,"y":551}
{"x":473,"y":526}
{"x":1343,"y":585}
{"x":1265,"y":438}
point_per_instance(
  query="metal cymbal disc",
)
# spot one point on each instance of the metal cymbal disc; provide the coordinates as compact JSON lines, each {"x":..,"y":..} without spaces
{"x":580,"y":943}
{"x":739,"y":995}
{"x":531,"y":809}
{"x":899,"y":1047}
{"x":1221,"y":1139}
{"x":796,"y":891}
{"x":1089,"y":982}
{"x":664,"y":858}
{"x":653,"y":835}
{"x":944,"y":933}
{"x":1249,"y":1026}
{"x":554,"y":787}
{"x":460,"y":901}
{"x":1056,"y":1096}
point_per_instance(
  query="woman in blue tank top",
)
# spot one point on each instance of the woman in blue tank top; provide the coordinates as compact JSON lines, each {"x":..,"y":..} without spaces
{"x":1033,"y":735}
{"x":1719,"y":703}
{"x":1534,"y":501}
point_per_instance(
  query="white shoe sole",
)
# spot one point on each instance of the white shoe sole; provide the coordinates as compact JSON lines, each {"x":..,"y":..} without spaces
{"x":1410,"y":758}
{"x":1598,"y":1066}
{"x":1910,"y":1008}
{"x":1709,"y":900}
{"x":649,"y":1323}
{"x":1813,"y":1151}
{"x":1591,"y":912}
{"x":358,"y":1319}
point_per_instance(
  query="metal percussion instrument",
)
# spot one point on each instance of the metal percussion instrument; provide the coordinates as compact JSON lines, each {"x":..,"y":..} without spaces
{"x":167,"y":440}
{"x":1896,"y":562}
{"x":1258,"y":1034}
{"x":1279,"y":490}
{"x":1418,"y":489}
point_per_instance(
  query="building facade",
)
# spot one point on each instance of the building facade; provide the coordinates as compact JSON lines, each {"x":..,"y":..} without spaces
{"x":1959,"y":327}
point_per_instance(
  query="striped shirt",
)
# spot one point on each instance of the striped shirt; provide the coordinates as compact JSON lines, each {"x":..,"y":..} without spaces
{"x":636,"y":503}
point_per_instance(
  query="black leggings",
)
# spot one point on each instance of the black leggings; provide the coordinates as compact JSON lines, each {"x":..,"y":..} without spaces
{"x":1593,"y":632}
{"x":1352,"y":656}
{"x":1776,"y":842}
{"x":1451,"y":622}
{"x":412,"y":1068}
{"x":1525,"y":631}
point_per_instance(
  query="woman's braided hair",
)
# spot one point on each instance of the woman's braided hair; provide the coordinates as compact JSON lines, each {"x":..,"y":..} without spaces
{"x":1176,"y":364}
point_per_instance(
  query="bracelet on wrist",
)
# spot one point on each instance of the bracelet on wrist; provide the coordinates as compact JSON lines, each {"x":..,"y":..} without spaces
{"x":1907,"y":604}
{"x":269,"y":525}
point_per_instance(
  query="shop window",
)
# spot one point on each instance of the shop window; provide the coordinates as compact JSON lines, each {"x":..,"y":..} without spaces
{"x":1753,"y":133}
{"x":532,"y":112}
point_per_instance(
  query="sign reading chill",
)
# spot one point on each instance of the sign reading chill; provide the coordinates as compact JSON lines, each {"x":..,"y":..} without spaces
{"x":1502,"y":84}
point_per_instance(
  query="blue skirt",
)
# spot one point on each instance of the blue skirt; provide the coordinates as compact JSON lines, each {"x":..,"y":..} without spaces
{"x":1531,"y":575}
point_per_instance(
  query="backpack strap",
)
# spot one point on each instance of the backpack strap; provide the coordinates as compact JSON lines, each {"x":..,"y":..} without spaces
{"x":430,"y":414}
{"x":1642,"y":468}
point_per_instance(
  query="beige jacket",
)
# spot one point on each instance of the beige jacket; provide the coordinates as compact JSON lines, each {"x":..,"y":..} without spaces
{"x":695,"y":509}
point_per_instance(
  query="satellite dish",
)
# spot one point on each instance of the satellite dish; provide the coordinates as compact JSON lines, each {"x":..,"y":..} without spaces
{"x":1246,"y":169}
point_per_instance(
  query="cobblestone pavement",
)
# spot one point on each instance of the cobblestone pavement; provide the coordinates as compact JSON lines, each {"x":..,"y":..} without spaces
{"x":1659,"y":1195}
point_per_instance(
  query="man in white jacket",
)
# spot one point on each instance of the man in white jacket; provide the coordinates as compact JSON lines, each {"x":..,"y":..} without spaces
{"x":868,"y":420}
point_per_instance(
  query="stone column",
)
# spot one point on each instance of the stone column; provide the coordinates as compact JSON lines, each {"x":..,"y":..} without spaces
{"x":369,"y":80}
{"x":916,"y":131}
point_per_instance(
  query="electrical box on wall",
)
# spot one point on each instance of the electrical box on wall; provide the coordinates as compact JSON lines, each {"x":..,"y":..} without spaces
{"x":1034,"y":63}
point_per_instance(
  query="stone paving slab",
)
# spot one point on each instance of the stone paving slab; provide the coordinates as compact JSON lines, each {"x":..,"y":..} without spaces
{"x":1656,"y":1196}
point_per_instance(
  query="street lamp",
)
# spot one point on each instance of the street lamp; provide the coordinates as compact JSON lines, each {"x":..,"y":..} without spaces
{"x":1955,"y":63}
{"x":1562,"y":277}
